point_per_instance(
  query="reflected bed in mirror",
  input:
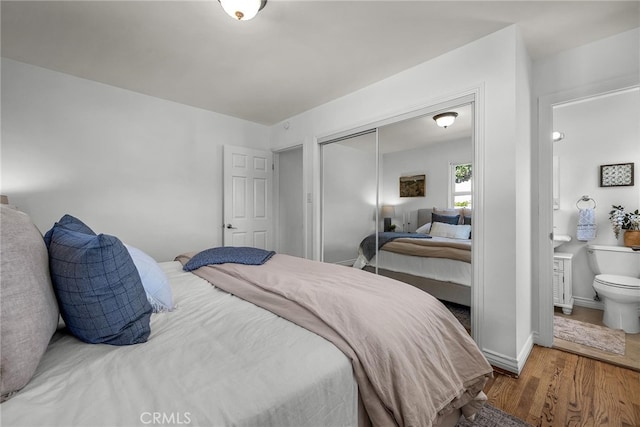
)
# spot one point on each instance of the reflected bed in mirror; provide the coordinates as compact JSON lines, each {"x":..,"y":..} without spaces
{"x":437,"y":264}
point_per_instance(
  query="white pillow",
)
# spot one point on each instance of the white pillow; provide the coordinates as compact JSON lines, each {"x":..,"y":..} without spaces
{"x":440,"y":229}
{"x":424,"y":229}
{"x":154,"y":281}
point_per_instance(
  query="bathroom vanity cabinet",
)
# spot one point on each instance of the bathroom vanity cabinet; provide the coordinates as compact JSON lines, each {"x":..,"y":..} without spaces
{"x":562,"y":281}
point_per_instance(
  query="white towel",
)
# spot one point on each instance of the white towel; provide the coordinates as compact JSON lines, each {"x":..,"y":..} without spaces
{"x":586,"y":224}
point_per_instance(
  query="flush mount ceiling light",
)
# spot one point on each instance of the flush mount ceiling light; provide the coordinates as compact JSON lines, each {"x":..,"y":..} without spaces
{"x":445,"y":119}
{"x":242,"y":10}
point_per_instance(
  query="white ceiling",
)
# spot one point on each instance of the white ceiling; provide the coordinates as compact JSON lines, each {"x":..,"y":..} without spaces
{"x":417,"y":132}
{"x":293,"y":56}
{"x":422,"y":131}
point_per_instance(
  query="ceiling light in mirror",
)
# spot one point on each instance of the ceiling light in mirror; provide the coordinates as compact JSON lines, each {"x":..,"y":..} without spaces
{"x":445,"y":119}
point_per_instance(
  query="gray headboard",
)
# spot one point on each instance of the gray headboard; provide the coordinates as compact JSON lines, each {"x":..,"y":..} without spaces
{"x":424,"y":216}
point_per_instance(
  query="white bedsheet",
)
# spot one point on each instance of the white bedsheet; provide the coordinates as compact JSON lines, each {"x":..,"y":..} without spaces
{"x":214,"y":361}
{"x":443,"y":269}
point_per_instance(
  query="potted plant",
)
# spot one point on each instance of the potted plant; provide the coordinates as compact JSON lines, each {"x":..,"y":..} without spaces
{"x":628,"y":221}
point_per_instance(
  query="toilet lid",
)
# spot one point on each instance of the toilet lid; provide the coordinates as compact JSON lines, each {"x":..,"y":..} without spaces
{"x":618,"y":281}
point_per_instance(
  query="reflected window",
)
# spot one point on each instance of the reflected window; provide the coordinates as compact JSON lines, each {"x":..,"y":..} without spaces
{"x":460,"y":189}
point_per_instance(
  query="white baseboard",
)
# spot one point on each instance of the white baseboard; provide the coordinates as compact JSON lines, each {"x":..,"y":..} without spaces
{"x":509,"y":363}
{"x":525,"y":351}
{"x":588,"y":302}
{"x":501,"y":361}
{"x":536,"y":338}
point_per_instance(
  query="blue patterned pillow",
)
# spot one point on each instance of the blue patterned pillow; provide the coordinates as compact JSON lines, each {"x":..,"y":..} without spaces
{"x":228,"y":254}
{"x":71,"y":223}
{"x":98,"y":288}
{"x":454,"y":219}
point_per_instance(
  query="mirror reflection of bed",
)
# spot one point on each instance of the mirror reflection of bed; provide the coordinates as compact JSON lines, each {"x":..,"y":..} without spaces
{"x":427,"y":258}
{"x":363,"y":172}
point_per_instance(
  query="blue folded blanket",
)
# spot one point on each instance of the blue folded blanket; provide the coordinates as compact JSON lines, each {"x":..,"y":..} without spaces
{"x":228,"y":254}
{"x":368,"y":245}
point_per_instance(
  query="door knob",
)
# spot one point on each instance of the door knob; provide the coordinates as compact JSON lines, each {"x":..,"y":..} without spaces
{"x":231,"y":227}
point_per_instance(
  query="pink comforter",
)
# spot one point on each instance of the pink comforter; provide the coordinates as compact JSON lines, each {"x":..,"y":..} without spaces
{"x":413,"y":361}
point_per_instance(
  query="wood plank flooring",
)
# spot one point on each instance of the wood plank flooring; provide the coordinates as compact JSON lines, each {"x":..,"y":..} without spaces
{"x":558,"y":388}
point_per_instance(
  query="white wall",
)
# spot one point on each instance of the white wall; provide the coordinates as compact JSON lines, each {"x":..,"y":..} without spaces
{"x":493,"y":77}
{"x":602,"y":60}
{"x":144,"y":169}
{"x":599,"y":131}
{"x":433,"y":161}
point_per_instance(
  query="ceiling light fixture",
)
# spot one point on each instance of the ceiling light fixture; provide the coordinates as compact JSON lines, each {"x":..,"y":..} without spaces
{"x":445,"y":119}
{"x":242,"y":10}
{"x":557,"y":136}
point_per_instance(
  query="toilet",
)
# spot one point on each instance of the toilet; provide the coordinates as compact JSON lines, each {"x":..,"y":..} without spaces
{"x":617,"y":283}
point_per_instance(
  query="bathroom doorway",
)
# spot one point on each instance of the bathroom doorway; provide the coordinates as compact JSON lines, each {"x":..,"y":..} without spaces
{"x":592,"y":130}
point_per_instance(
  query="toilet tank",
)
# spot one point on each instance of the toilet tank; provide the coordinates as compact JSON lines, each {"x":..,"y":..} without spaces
{"x":618,"y":260}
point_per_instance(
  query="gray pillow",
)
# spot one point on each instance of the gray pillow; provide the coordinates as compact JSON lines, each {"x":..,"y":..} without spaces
{"x":28,"y":311}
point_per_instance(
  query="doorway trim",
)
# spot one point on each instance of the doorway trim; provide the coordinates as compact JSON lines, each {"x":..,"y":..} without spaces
{"x":545,"y":191}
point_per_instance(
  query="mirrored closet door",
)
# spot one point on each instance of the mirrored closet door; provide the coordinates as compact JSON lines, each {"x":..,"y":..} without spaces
{"x":393,"y":197}
{"x":349,"y":195}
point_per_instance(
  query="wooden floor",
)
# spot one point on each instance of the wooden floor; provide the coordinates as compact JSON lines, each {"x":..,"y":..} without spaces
{"x":557,"y":388}
{"x":631,"y":358}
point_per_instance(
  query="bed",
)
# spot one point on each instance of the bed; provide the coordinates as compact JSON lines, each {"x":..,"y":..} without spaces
{"x":237,"y":349}
{"x":444,"y":271}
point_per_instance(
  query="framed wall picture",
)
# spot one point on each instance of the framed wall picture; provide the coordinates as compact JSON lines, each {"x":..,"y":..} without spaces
{"x":412,"y":186}
{"x":618,"y":175}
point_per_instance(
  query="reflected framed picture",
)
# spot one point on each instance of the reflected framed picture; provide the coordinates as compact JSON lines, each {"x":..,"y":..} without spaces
{"x":617,"y":175}
{"x":412,"y":186}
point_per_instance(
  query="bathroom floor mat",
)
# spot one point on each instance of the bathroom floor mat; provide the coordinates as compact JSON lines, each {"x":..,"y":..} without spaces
{"x":600,"y":337}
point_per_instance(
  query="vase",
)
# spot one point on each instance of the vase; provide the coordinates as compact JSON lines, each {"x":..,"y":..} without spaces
{"x":632,"y":238}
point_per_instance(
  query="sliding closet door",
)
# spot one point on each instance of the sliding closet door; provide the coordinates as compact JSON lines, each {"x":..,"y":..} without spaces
{"x":349,"y":185}
{"x":388,"y":181}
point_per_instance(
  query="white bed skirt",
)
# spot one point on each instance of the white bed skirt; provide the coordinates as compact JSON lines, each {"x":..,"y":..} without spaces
{"x":441,"y":269}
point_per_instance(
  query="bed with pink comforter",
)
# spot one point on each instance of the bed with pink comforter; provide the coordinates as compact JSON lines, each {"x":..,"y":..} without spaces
{"x":413,"y":361}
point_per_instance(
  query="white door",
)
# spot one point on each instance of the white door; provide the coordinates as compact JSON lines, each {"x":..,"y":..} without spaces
{"x":247,"y":204}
